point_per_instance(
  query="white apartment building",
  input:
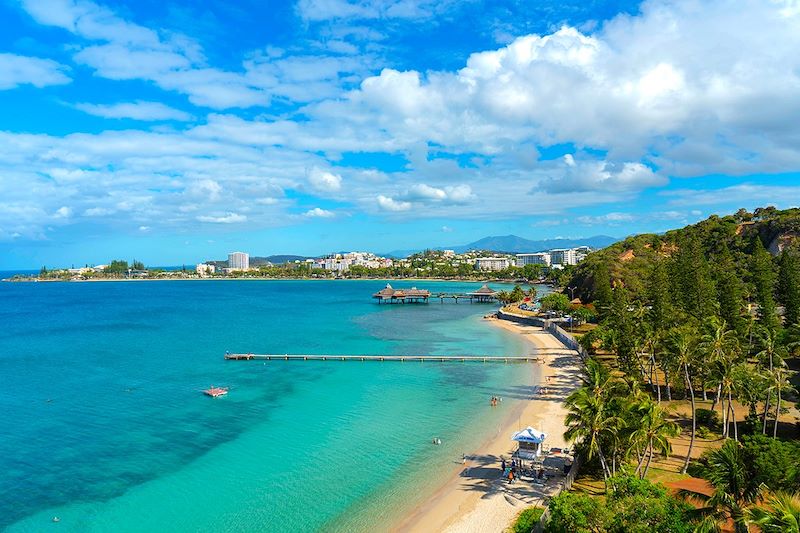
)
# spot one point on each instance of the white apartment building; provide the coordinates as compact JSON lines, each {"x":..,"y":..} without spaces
{"x":343,"y":262}
{"x":492,"y":263}
{"x":565,"y":256}
{"x":541,"y":258}
{"x":581,"y":252}
{"x":204,"y":270}
{"x":239,"y":261}
{"x":449,"y":253}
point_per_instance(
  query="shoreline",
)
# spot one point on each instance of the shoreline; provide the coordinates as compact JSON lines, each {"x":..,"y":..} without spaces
{"x":474,"y":498}
{"x":136,"y":280}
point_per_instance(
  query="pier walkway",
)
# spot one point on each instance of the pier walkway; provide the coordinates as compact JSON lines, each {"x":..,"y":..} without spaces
{"x":400,"y":358}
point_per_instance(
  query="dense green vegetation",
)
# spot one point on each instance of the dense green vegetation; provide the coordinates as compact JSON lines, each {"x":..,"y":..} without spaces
{"x":632,"y":505}
{"x":706,"y":312}
{"x":526,"y":520}
{"x":614,"y":420}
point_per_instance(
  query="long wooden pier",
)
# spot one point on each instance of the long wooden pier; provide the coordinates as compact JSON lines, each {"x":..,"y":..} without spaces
{"x":400,"y":358}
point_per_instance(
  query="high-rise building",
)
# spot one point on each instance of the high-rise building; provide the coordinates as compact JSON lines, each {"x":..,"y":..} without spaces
{"x":239,"y":261}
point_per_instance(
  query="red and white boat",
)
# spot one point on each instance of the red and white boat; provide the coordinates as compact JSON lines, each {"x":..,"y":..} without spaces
{"x":216,"y":392}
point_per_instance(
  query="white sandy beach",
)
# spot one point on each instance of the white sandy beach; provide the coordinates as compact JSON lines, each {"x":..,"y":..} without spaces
{"x":474,"y":498}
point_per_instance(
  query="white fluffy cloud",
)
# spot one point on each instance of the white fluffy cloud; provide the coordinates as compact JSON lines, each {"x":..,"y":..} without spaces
{"x":582,"y":175}
{"x":682,"y":81}
{"x":318,"y":212}
{"x":16,"y":70}
{"x":684,"y":88}
{"x":324,"y":181}
{"x":387,"y":203}
{"x":421,"y":192}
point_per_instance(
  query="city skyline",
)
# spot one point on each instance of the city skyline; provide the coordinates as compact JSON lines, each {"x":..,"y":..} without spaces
{"x":171,"y":132}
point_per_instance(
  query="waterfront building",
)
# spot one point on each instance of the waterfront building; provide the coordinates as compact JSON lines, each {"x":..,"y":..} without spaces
{"x":564,"y":256}
{"x":449,"y":253}
{"x":204,"y":270}
{"x":492,"y":263}
{"x":541,"y":258}
{"x":412,"y":295}
{"x":239,"y":261}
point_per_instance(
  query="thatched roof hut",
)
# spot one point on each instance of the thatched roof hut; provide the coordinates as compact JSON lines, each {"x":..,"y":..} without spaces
{"x":412,"y":295}
{"x":484,"y":294}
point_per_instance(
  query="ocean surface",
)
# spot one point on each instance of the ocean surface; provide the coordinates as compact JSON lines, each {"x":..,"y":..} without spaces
{"x":104,"y":425}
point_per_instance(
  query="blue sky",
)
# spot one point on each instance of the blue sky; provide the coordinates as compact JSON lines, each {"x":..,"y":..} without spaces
{"x":174,"y":132}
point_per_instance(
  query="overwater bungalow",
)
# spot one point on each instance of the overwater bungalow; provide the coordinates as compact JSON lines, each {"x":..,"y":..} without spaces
{"x":412,"y":295}
{"x":484,"y":294}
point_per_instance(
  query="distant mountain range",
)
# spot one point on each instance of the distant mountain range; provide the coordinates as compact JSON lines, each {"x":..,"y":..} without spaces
{"x":277,"y":259}
{"x":517,"y":245}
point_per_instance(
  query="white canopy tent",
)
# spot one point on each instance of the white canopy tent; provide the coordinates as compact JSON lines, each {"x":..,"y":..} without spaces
{"x":530,"y":442}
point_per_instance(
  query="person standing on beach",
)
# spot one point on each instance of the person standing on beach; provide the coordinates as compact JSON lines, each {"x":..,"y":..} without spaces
{"x":503,"y":464}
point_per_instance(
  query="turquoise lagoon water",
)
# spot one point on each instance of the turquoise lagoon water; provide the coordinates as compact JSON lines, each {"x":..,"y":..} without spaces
{"x":104,"y":426}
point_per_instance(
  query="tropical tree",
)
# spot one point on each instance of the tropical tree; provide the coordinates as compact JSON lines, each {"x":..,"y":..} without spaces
{"x":764,"y":280}
{"x":789,"y":287}
{"x":683,"y":346}
{"x":734,"y":488}
{"x":780,"y":514}
{"x":779,"y":383}
{"x":588,"y":423}
{"x":654,"y":432}
{"x":772,"y":353}
{"x":555,"y":301}
{"x":720,"y":346}
{"x":517,"y":294}
{"x":602,"y":289}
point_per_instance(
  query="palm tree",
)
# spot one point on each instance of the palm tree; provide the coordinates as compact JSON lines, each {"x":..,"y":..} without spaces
{"x":684,"y":349}
{"x":779,"y":384}
{"x":734,"y":487}
{"x":780,"y":515}
{"x":749,"y":385}
{"x":724,"y":372}
{"x":588,"y":422}
{"x":654,"y":432}
{"x":598,"y":378}
{"x":721,"y":346}
{"x":771,"y":353}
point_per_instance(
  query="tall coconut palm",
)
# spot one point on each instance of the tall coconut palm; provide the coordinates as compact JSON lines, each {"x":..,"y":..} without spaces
{"x":721,"y":347}
{"x":599,"y":380}
{"x":588,"y":422}
{"x":724,"y":372}
{"x":683,"y":347}
{"x":654,"y":432}
{"x":771,"y":353}
{"x":781,"y":514}
{"x":780,"y":384}
{"x":735,"y":489}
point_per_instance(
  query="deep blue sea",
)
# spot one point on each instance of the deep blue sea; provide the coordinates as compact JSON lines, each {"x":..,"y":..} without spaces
{"x":104,"y":425}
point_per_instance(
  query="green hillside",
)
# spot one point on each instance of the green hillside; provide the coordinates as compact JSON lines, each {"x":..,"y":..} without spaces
{"x":715,"y":247}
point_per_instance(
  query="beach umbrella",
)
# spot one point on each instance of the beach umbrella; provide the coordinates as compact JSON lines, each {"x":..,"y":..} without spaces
{"x":529,"y":435}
